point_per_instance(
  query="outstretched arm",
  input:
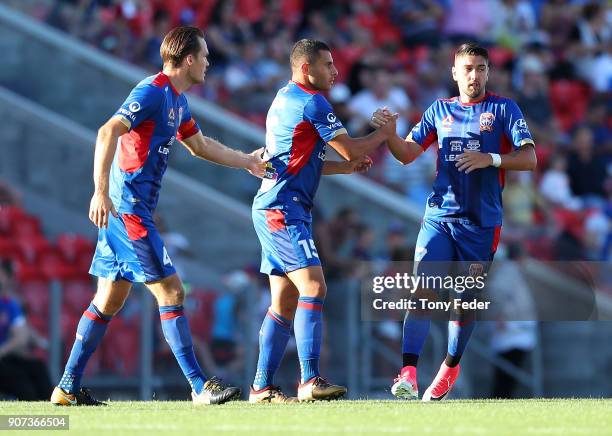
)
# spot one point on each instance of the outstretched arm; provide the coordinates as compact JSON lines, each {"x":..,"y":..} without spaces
{"x":359,"y":165}
{"x":404,"y":150}
{"x":209,"y":149}
{"x":353,"y":148}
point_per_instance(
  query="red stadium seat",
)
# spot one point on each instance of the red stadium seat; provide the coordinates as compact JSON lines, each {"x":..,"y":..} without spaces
{"x":54,"y":266}
{"x":35,"y":296}
{"x":30,"y":246}
{"x":9,"y":215}
{"x":120,"y":352}
{"x":72,"y":245}
{"x":569,"y":100}
{"x":8,"y":247}
{"x":25,"y":227}
{"x":199,"y":309}
{"x":77,"y":295}
{"x":26,"y":272}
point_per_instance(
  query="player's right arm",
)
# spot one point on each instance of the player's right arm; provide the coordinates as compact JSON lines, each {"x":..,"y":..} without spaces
{"x":404,"y":150}
{"x":320,"y":114}
{"x":106,"y":144}
{"x":354,"y":148}
{"x":209,"y":149}
{"x":140,"y":105}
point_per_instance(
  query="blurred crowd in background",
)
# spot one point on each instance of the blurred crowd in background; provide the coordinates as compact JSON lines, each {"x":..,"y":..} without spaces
{"x":553,"y":57}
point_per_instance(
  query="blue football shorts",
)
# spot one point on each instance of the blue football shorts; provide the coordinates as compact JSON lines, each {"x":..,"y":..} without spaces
{"x":286,"y":244}
{"x":449,"y":248}
{"x":131,"y":249}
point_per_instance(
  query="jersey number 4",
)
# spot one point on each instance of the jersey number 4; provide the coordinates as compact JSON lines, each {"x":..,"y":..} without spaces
{"x":309,"y":250}
{"x":167,"y":260}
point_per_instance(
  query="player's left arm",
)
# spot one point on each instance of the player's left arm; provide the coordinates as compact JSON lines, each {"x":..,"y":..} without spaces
{"x":358,"y":165}
{"x":212,"y":150}
{"x":522,"y":158}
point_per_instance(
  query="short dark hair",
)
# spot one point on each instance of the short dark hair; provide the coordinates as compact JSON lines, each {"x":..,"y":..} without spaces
{"x":308,"y":48}
{"x":472,"y":49}
{"x":179,"y":43}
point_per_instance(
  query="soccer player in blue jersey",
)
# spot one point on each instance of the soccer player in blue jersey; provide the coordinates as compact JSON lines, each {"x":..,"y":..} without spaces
{"x":127,"y":181}
{"x":479,"y":135}
{"x":299,"y":124}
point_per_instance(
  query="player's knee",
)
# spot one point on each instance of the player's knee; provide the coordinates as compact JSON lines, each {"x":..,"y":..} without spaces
{"x":108,"y":306}
{"x":314,"y":288}
{"x":174,"y":296}
{"x":285,"y":308}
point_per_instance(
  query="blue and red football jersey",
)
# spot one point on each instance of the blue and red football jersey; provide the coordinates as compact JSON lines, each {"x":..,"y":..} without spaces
{"x":298,"y":125}
{"x":493,"y":125}
{"x":157,"y":115}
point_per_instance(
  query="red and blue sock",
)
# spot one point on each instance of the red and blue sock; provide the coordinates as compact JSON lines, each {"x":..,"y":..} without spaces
{"x":308,"y":326}
{"x":90,"y":330}
{"x":413,"y":338}
{"x":273,"y":337}
{"x":177,"y":334}
{"x":459,"y":333}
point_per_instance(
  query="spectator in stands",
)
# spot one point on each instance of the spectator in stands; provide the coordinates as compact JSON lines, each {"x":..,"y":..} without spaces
{"x":226,"y":340}
{"x":597,"y":233}
{"x":590,"y":39}
{"x":557,"y":20}
{"x":250,"y":79}
{"x":521,"y":201}
{"x":597,"y":120}
{"x":470,"y":20}
{"x":555,"y":185}
{"x":379,"y":91}
{"x":225,"y":34}
{"x":152,"y":41}
{"x":514,"y":332}
{"x":419,"y":20}
{"x":515,"y":23}
{"x":533,"y":97}
{"x":333,"y":238}
{"x":21,"y":375}
{"x":586,"y":170}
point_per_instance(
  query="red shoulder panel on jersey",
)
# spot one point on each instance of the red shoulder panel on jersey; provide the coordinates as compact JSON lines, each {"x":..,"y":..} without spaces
{"x":134,"y":147}
{"x":162,"y":80}
{"x":305,"y":137}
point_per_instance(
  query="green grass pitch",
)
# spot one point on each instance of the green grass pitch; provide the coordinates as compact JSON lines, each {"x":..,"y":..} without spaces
{"x":475,"y":417}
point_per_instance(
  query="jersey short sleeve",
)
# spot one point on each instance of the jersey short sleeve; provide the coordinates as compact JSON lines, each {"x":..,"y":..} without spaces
{"x":140,"y":105}
{"x":515,"y":126}
{"x":320,"y":113}
{"x":188,"y":126}
{"x":424,"y":132}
